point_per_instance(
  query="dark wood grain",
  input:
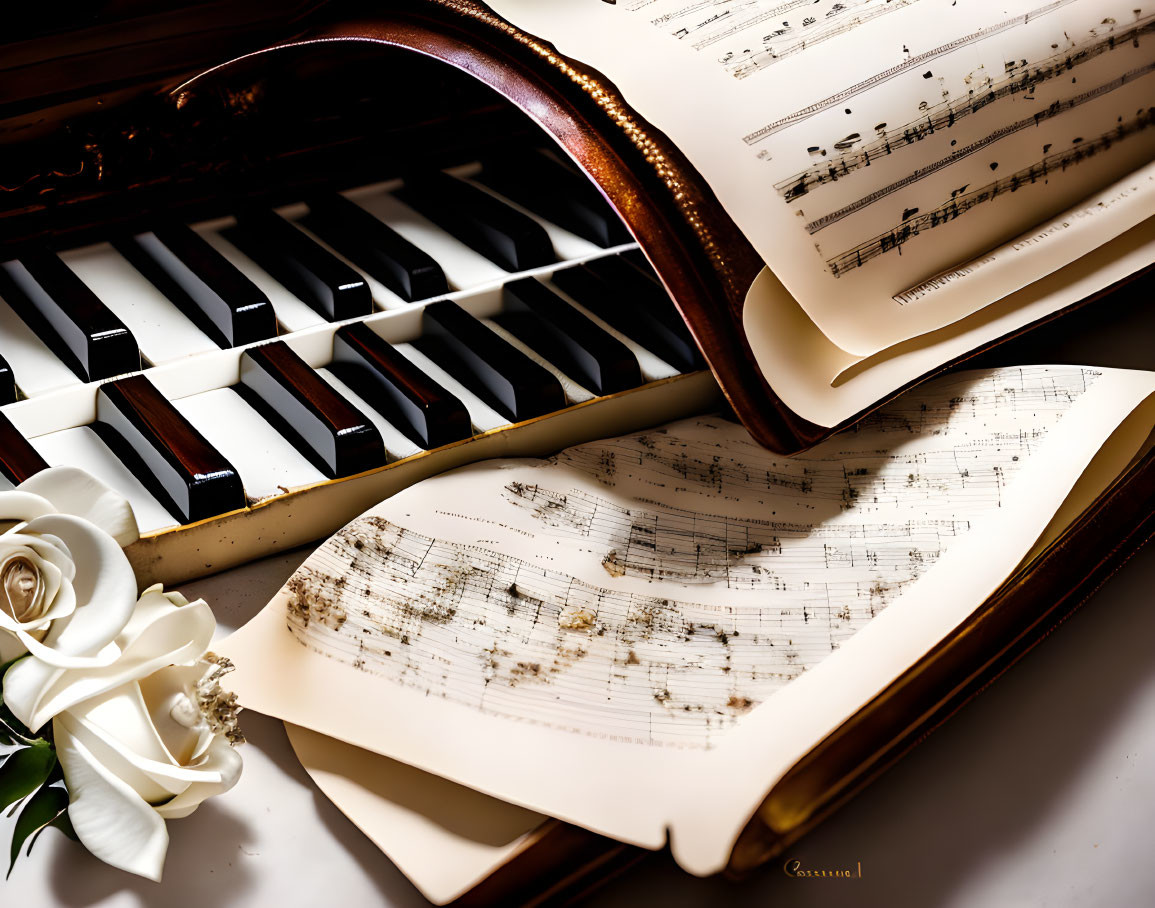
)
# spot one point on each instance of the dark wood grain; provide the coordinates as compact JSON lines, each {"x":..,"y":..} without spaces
{"x":171,"y":458}
{"x":417,"y":405}
{"x":334,"y":435}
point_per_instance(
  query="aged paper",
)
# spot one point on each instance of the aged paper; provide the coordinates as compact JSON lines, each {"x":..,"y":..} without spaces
{"x":641,"y":634}
{"x":875,"y":152}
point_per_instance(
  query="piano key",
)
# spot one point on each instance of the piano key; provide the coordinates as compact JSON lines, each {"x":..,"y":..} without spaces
{"x":428,"y":414}
{"x":398,"y":446}
{"x":508,"y":238}
{"x":309,"y":270}
{"x":335,"y":436}
{"x":558,"y":193}
{"x":36,"y":368}
{"x":518,"y":387}
{"x":229,"y":307}
{"x":464,"y":268}
{"x":595,"y":358}
{"x":7,"y":383}
{"x":82,"y":447}
{"x":57,"y":304}
{"x":481,"y":414}
{"x":268,"y":463}
{"x":638,"y":259}
{"x":18,"y":458}
{"x":573,"y":392}
{"x":162,"y":331}
{"x":178,"y":464}
{"x":624,"y":298}
{"x":376,"y":248}
{"x":293,"y":313}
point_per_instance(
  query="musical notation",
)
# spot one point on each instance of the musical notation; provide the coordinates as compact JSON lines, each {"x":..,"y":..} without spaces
{"x":1019,"y":81}
{"x":700,"y":573}
{"x":911,"y":63}
{"x":917,"y":223}
{"x":1052,"y":110}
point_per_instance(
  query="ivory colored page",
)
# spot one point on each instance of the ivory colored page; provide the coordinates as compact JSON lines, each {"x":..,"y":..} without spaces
{"x":640,"y":635}
{"x":869,"y":148}
{"x":827,"y":385}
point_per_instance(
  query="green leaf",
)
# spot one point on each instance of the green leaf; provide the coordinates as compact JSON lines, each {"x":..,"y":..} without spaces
{"x":64,"y":824}
{"x":43,"y":809}
{"x":24,"y":771}
{"x":14,"y":728}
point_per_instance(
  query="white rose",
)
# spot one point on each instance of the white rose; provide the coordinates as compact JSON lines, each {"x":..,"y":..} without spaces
{"x":147,"y":738}
{"x":66,"y":587}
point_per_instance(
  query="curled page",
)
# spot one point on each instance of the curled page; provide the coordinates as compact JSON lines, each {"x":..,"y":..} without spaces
{"x":593,"y":635}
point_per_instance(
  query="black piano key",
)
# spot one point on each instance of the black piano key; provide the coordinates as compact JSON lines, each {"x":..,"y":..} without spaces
{"x":638,"y":259}
{"x":333,"y":434}
{"x":7,"y":383}
{"x":493,"y":369}
{"x":424,"y":411}
{"x":591,"y":355}
{"x":171,"y":458}
{"x":505,"y":236}
{"x":376,"y":247}
{"x":307,"y":269}
{"x":69,"y":317}
{"x":205,"y":285}
{"x":557,"y":193}
{"x":18,"y":459}
{"x":629,"y":302}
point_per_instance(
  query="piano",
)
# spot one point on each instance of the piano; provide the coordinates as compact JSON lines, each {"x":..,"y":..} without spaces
{"x":256,"y":305}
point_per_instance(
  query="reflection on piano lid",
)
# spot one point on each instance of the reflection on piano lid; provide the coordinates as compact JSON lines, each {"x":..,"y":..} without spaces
{"x":371,"y":336}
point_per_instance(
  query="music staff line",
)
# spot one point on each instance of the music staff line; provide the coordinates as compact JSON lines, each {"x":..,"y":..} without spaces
{"x":811,"y":34}
{"x":897,"y":237}
{"x":886,"y":75}
{"x":947,"y":114}
{"x":1052,"y":110}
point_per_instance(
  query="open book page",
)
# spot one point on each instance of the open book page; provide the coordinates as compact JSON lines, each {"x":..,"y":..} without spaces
{"x":640,"y":635}
{"x":876,"y":151}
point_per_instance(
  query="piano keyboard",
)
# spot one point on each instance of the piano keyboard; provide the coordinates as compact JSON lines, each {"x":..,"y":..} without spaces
{"x":254,"y":382}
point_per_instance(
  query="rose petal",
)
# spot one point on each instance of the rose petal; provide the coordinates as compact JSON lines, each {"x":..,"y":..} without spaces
{"x":105,"y":586}
{"x":222,"y":759}
{"x":23,"y":505}
{"x":75,"y":492}
{"x":111,"y":819}
{"x":158,"y":635}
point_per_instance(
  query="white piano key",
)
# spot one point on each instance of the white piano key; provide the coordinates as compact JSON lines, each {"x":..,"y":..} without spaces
{"x":397,"y":445}
{"x":463,"y":267}
{"x":574,"y":393}
{"x":81,"y":447}
{"x":483,"y":417}
{"x":162,"y":331}
{"x":35,"y":367}
{"x":267,"y":462}
{"x":652,"y":366}
{"x":293,"y":313}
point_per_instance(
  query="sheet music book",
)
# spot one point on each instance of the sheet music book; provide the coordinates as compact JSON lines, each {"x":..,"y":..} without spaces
{"x":641,"y":636}
{"x":920,"y":177}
